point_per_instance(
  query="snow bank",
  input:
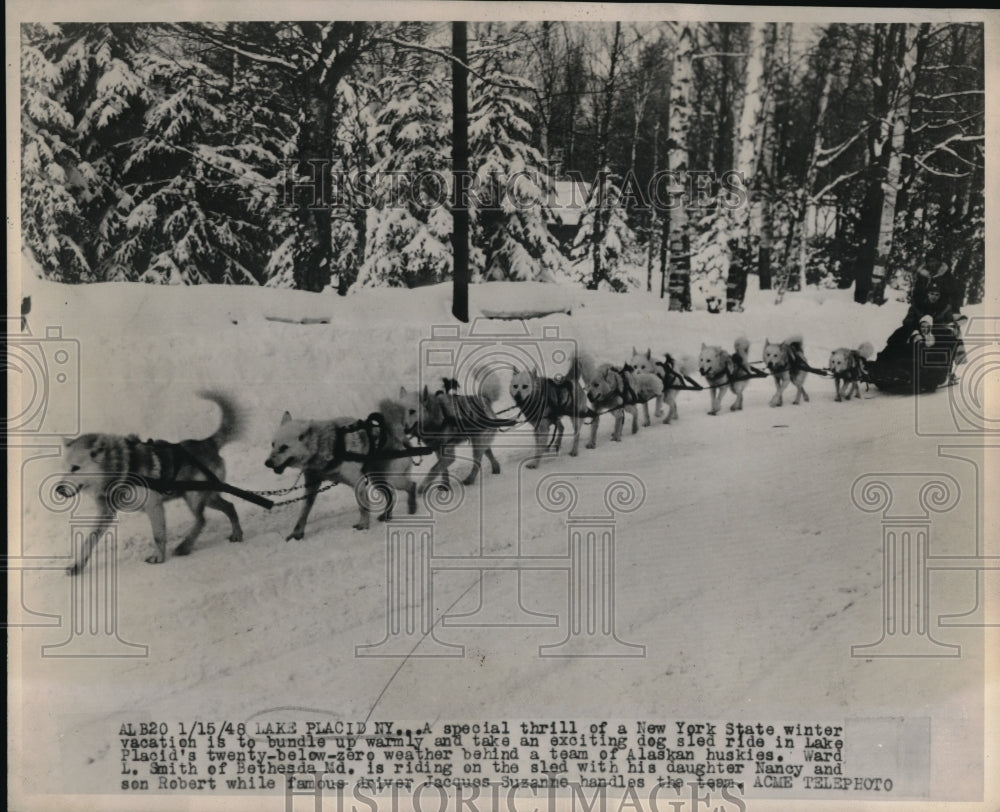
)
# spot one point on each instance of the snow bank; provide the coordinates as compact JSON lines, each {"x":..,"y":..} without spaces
{"x":747,"y":573}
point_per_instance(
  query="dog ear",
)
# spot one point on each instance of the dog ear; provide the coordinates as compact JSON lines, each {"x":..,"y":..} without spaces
{"x":402,"y":392}
{"x":427,"y":392}
{"x":703,"y":345}
{"x":634,"y":350}
{"x":285,"y":418}
{"x":649,"y":353}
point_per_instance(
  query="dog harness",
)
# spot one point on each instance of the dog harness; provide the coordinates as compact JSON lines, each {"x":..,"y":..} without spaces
{"x":160,"y":458}
{"x":629,"y":397}
{"x":377,"y":434}
{"x":460,"y":412}
{"x":539,"y":404}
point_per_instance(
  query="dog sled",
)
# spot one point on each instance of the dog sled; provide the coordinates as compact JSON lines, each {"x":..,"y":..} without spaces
{"x":908,"y":367}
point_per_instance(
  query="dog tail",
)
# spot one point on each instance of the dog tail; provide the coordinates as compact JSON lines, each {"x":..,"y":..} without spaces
{"x":866,"y":350}
{"x":742,"y":347}
{"x":490,"y":388}
{"x":582,"y":367}
{"x":688,"y":365}
{"x":233,"y":420}
{"x":795,"y":342}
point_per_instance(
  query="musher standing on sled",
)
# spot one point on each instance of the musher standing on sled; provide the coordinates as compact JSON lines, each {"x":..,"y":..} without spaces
{"x":937,"y":293}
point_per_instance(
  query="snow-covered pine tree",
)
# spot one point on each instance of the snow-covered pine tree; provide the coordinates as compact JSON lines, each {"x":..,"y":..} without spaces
{"x":715,"y":242}
{"x":510,"y":189}
{"x":617,"y":245}
{"x":205,"y":172}
{"x":409,"y":229}
{"x":356,"y":132}
{"x":81,"y":106}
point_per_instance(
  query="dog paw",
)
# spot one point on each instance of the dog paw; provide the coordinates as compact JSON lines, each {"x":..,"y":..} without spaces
{"x":385,"y":517}
{"x":73,"y":570}
{"x":295,"y":535}
{"x":496,"y":467}
{"x":645,"y":423}
{"x":573,"y":453}
{"x":838,"y":399}
{"x":236,"y":538}
{"x":182,"y":549}
{"x":155,"y":559}
{"x":360,"y":525}
{"x":591,"y":445}
{"x":533,"y":464}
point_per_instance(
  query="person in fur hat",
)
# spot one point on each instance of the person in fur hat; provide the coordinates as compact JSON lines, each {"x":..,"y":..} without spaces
{"x":935,"y":274}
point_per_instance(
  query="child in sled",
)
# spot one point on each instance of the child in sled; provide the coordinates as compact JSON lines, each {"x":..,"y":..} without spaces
{"x":937,"y":293}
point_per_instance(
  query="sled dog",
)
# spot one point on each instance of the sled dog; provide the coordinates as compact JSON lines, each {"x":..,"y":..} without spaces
{"x":787,"y":364}
{"x":619,"y":390}
{"x":356,"y":452}
{"x":443,"y":419}
{"x":668,"y":371}
{"x":723,"y":370}
{"x":101,"y":463}
{"x":849,"y":368}
{"x":544,"y":402}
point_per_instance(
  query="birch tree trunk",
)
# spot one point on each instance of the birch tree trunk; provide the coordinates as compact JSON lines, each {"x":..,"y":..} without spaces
{"x":893,"y":63}
{"x":808,"y":203}
{"x":897,"y":122}
{"x":651,"y":239}
{"x":765,"y":166}
{"x":751,"y":122}
{"x":603,"y":134}
{"x":677,"y":163}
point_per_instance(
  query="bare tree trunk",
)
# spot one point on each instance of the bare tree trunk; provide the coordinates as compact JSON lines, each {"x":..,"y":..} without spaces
{"x":460,"y":169}
{"x":892,"y":67}
{"x":746,"y":164}
{"x":765,"y":167}
{"x":664,"y":253}
{"x":808,"y":203}
{"x":315,"y":146}
{"x":603,"y":134}
{"x":651,"y":239}
{"x":906,"y":60}
{"x":677,"y":162}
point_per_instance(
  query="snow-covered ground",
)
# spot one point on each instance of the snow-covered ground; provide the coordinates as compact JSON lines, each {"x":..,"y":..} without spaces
{"x":748,"y":573}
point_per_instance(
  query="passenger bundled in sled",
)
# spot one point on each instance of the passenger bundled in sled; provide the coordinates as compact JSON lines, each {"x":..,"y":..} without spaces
{"x":920,"y":354}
